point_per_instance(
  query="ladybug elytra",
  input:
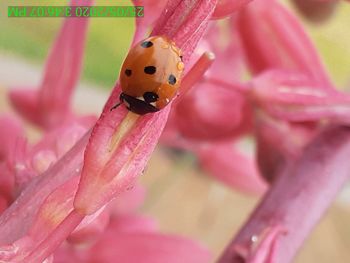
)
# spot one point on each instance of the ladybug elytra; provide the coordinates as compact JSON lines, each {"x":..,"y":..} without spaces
{"x":150,"y":75}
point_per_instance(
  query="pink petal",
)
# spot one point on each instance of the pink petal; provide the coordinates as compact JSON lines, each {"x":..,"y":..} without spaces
{"x":55,"y":208}
{"x":261,"y":248}
{"x":42,"y":160}
{"x":267,"y":245}
{"x":122,"y":224}
{"x":134,"y":224}
{"x":107,"y":172}
{"x":90,"y":229}
{"x":133,"y":245}
{"x":152,"y":11}
{"x":17,"y":219}
{"x":226,"y":8}
{"x":3,"y":204}
{"x":231,"y":167}
{"x":296,"y":98}
{"x":301,"y":194}
{"x":150,"y":247}
{"x":185,"y":23}
{"x":51,"y":104}
{"x":121,"y":142}
{"x":203,"y":114}
{"x":51,"y":213}
{"x":128,"y":201}
{"x":29,"y":162}
{"x":229,"y":65}
{"x":274,"y":151}
{"x":133,"y":150}
{"x":199,"y":114}
{"x":288,"y":47}
{"x":26,"y":103}
{"x":11,"y":130}
{"x":7,"y":183}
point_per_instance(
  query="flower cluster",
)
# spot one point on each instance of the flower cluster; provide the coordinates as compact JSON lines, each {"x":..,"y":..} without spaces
{"x":79,"y":182}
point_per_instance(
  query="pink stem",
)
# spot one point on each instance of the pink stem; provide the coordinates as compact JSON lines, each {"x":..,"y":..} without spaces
{"x":297,"y":200}
{"x":22,"y":211}
{"x":48,"y":246}
{"x":195,"y":73}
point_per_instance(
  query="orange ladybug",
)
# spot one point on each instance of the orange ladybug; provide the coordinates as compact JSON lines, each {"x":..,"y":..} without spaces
{"x":150,"y":75}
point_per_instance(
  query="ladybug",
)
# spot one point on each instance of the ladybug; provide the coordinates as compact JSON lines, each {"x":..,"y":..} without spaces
{"x":150,"y":75}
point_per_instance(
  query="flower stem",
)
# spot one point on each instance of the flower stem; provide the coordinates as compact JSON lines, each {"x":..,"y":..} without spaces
{"x":297,"y":200}
{"x":195,"y":73}
{"x":50,"y":244}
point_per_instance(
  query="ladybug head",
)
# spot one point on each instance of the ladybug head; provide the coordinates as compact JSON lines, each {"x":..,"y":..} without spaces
{"x":140,"y":105}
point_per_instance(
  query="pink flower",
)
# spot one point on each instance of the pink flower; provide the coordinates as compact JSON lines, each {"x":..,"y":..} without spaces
{"x":301,"y":132}
{"x":289,"y":47}
{"x":215,"y":109}
{"x":120,"y":144}
{"x":232,"y":167}
{"x":225,"y":8}
{"x":50,"y":105}
{"x":79,"y":184}
{"x":54,"y":199}
{"x":132,"y":245}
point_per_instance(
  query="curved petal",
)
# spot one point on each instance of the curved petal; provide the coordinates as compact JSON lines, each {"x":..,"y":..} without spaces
{"x":226,"y":8}
{"x":150,"y":247}
{"x":231,"y":167}
{"x":210,"y":112}
{"x":288,"y":47}
{"x":11,"y":130}
{"x":297,"y":98}
{"x":50,"y":105}
{"x":121,"y":142}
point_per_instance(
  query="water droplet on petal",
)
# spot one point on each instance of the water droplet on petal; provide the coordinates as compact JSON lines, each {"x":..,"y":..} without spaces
{"x":180,"y":66}
{"x":165,"y":46}
{"x":254,"y":239}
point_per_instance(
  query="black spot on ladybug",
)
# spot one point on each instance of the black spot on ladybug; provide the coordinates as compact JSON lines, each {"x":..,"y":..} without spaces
{"x":146,"y":44}
{"x":172,"y":79}
{"x":150,"y":97}
{"x":150,"y":70}
{"x":128,"y":72}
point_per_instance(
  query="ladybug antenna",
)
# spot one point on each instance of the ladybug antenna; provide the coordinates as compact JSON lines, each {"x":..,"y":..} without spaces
{"x":116,"y":106}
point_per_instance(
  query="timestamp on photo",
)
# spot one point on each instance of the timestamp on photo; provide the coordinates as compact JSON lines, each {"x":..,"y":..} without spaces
{"x":75,"y":11}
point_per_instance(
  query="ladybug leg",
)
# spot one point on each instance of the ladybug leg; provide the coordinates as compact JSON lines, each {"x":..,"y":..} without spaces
{"x":118,"y":104}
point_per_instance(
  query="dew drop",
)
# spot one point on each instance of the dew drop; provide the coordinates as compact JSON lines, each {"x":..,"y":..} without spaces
{"x":165,"y":46}
{"x":180,"y":66}
{"x":254,"y":239}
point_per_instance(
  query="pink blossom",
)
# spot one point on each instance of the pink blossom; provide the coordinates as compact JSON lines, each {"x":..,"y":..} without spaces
{"x":54,"y":199}
{"x":132,"y":245}
{"x":225,"y":8}
{"x":301,"y":134}
{"x":289,"y":47}
{"x":112,"y":163}
{"x":72,"y":194}
{"x":231,"y":166}
{"x":50,"y":104}
{"x":153,"y":10}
